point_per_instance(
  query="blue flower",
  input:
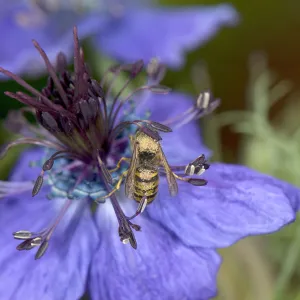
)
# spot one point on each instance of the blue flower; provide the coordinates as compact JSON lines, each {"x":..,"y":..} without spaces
{"x":175,"y":257}
{"x":125,"y":30}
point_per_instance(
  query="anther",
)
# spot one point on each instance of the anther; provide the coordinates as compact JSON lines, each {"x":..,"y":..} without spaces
{"x":48,"y":164}
{"x":197,"y":181}
{"x":49,"y":122}
{"x":26,"y":245}
{"x":198,"y":166}
{"x":155,"y":70}
{"x":206,"y":103}
{"x":135,"y":227}
{"x":42,"y":238}
{"x":132,"y":241}
{"x":42,"y":249}
{"x":136,"y":68}
{"x":159,"y":89}
{"x":22,"y":235}
{"x":126,"y":234}
{"x":38,"y":184}
{"x":36,"y":241}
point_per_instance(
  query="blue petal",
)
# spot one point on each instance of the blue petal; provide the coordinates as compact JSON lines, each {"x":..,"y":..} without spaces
{"x":24,"y":170}
{"x":19,"y":24}
{"x":236,"y":203}
{"x":62,"y":272}
{"x":183,"y":144}
{"x":165,"y":33}
{"x":161,"y":267}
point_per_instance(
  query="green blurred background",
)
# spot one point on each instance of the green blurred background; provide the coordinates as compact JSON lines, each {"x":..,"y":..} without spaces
{"x":254,"y":68}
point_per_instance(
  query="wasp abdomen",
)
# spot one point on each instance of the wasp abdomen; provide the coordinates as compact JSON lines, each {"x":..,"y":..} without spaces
{"x":145,"y":184}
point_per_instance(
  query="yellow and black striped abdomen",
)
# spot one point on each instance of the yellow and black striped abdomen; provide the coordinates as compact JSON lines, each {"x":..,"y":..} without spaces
{"x":145,"y":184}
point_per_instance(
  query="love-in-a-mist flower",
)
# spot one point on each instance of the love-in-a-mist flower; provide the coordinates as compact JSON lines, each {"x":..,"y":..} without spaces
{"x":126,"y":30}
{"x":84,"y":131}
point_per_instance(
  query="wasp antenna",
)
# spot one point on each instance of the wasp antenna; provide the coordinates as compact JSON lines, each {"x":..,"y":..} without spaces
{"x":150,"y":132}
{"x":158,"y":126}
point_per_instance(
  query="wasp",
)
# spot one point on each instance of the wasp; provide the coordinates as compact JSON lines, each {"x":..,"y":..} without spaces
{"x":142,"y":176}
{"x":142,"y":179}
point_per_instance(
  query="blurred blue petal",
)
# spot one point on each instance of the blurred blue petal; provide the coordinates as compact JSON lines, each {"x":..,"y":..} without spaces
{"x":236,"y":203}
{"x":183,"y":144}
{"x":20,"y":23}
{"x":165,"y":33}
{"x":161,"y":267}
{"x":134,"y":32}
{"x":23,"y":169}
{"x":62,"y":272}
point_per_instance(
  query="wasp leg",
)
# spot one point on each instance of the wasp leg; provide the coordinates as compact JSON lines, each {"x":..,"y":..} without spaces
{"x":116,"y":188}
{"x":140,"y":209}
{"x":192,"y":181}
{"x":180,"y":177}
{"x":179,"y":169}
{"x":119,"y":164}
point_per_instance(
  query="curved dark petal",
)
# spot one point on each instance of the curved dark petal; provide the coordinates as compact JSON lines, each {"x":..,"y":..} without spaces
{"x":61,"y":274}
{"x":183,"y":144}
{"x":23,"y":169}
{"x":161,"y":267}
{"x":166,"y":33}
{"x":237,"y":202}
{"x":20,"y":23}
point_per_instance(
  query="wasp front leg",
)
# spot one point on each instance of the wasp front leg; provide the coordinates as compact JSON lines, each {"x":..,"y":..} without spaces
{"x":192,"y":181}
{"x":115,"y":189}
{"x":119,"y":164}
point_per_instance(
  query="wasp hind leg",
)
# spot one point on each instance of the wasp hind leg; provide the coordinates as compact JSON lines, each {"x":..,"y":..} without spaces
{"x":192,"y":181}
{"x":142,"y":205}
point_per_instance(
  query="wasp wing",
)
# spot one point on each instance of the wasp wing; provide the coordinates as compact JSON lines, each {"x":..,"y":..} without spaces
{"x":129,"y":182}
{"x":172,"y":183}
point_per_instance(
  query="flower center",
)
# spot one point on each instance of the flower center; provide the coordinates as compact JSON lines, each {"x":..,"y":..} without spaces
{"x":73,"y":179}
{"x":87,"y":129}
